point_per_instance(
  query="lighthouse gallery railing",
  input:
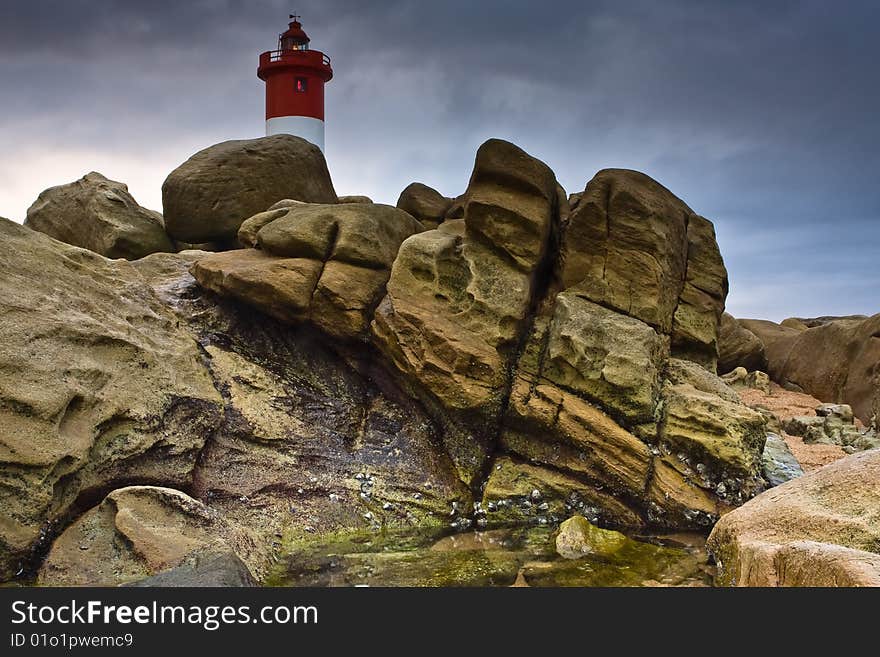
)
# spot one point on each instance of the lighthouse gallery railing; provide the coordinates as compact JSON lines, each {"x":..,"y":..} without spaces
{"x":281,"y":55}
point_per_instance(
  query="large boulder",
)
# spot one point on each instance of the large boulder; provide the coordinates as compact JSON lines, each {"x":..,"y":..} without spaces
{"x":821,"y":529}
{"x":208,"y":197}
{"x":424,"y":203}
{"x":835,"y":360}
{"x":739,"y":347}
{"x":136,"y":533}
{"x":327,"y":264}
{"x":99,"y":214}
{"x":459,"y":297}
{"x":99,"y":386}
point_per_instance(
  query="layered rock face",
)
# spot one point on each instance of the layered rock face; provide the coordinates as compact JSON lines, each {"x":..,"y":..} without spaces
{"x":326,"y":264}
{"x":99,"y":387}
{"x":821,"y":529}
{"x":550,"y":341}
{"x":207,"y":198}
{"x":835,"y":360}
{"x":350,"y":370}
{"x":99,"y":214}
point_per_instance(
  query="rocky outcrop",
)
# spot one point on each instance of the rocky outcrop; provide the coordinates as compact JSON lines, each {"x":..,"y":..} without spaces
{"x":99,"y":214}
{"x":350,"y":370}
{"x":835,"y":360}
{"x":822,"y":529}
{"x":207,"y":198}
{"x":550,"y":355}
{"x":354,"y":199}
{"x":459,"y":298}
{"x":99,"y":387}
{"x":312,"y":439}
{"x":739,"y":347}
{"x":327,"y":264}
{"x":634,"y":247}
{"x":136,"y":533}
{"x":425,"y":204}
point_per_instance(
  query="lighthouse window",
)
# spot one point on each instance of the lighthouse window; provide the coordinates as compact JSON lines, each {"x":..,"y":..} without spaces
{"x":301,"y":85}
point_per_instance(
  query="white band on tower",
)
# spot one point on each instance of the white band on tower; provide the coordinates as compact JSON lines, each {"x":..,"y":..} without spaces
{"x":308,"y":128}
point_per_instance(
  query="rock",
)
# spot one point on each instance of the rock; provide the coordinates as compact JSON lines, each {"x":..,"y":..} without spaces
{"x":794,"y":323}
{"x":779,"y":463}
{"x":247,"y":232}
{"x":209,"y":196}
{"x":425,"y":204}
{"x":99,"y":386}
{"x":626,"y":247}
{"x":739,"y":347}
{"x":327,"y":264}
{"x":507,"y":497}
{"x":719,"y":439}
{"x":822,"y":529}
{"x":459,"y":297}
{"x":223,"y":569}
{"x":578,"y":538}
{"x":737,"y":378}
{"x":701,"y":303}
{"x":312,"y":438}
{"x":843,"y":412}
{"x":838,"y":361}
{"x":354,"y":199}
{"x":135,"y":533}
{"x":99,"y":214}
{"x":813,"y":322}
{"x":777,"y":341}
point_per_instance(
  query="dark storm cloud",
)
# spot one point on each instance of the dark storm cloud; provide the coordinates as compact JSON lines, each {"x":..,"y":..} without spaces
{"x":762,"y":116}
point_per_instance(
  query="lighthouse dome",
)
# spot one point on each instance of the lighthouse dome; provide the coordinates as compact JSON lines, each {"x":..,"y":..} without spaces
{"x":294,"y":38}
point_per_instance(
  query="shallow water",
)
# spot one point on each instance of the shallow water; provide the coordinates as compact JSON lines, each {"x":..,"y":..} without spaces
{"x":522,"y":556}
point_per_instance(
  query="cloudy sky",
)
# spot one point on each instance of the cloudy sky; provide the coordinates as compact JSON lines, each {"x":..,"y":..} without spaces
{"x":763,"y":116}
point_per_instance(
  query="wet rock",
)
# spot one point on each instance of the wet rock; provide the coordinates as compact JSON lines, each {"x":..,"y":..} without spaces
{"x":100,"y":215}
{"x":135,"y":533}
{"x":209,"y":196}
{"x":779,"y":463}
{"x":578,"y":537}
{"x":821,"y":529}
{"x":223,"y":569}
{"x":100,"y":386}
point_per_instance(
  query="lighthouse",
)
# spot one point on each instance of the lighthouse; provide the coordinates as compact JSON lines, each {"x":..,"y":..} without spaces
{"x":295,"y":77}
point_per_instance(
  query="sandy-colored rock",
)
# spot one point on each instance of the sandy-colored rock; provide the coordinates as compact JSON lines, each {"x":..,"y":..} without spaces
{"x":739,"y":347}
{"x":696,"y":321}
{"x":209,"y":196}
{"x":459,"y":297}
{"x":626,"y":246}
{"x":822,"y":529}
{"x":135,"y":533}
{"x":98,"y":385}
{"x":100,"y":215}
{"x":777,"y":341}
{"x":425,"y":204}
{"x":327,"y":264}
{"x":354,"y":198}
{"x":517,"y":492}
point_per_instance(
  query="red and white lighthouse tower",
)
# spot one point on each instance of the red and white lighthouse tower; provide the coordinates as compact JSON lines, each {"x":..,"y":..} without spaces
{"x":295,"y":78}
